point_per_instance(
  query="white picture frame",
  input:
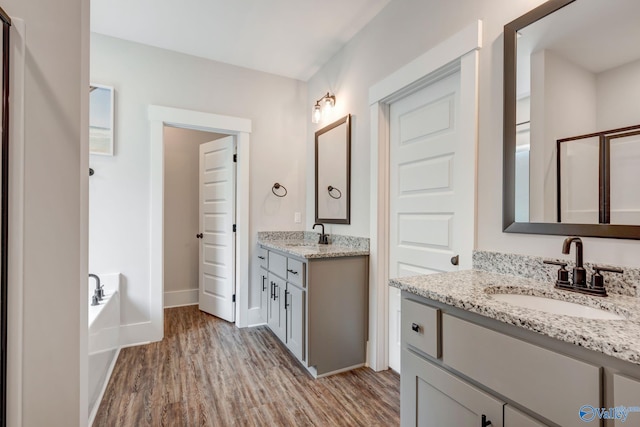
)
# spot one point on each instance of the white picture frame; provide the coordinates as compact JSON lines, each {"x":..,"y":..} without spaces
{"x":101,"y":112}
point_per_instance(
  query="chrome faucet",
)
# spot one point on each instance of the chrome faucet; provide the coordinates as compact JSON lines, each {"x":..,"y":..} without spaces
{"x":323,"y":239}
{"x":579,"y":273}
{"x":98,"y":294}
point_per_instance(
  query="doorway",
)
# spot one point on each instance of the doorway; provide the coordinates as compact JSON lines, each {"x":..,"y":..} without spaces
{"x":240,"y":128}
{"x":459,"y":52}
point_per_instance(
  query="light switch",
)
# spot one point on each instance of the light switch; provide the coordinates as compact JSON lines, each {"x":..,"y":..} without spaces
{"x":297,"y":218}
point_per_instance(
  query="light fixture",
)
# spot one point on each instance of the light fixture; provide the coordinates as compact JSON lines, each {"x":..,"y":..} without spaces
{"x":323,"y":107}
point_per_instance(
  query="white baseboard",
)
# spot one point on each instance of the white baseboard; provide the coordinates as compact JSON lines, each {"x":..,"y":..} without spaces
{"x":137,"y":334}
{"x":95,"y":408}
{"x":254,"y":317}
{"x":180,"y":298}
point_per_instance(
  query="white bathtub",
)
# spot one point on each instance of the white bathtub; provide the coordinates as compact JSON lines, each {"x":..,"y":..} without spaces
{"x":104,"y":338}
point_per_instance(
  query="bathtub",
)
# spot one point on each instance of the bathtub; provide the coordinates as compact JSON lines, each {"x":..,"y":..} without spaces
{"x":104,"y":338}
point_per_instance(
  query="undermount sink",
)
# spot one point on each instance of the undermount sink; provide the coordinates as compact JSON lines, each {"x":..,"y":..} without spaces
{"x":554,"y":306}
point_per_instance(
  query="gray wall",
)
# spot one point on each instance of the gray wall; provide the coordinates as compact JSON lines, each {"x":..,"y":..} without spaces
{"x":48,"y":310}
{"x":404,"y":30}
{"x":120,"y":190}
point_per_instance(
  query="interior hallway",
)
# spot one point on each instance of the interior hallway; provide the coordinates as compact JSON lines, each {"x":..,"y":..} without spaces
{"x":207,"y":372}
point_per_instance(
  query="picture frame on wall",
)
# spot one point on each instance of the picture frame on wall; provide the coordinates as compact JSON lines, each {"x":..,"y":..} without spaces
{"x":101,"y":112}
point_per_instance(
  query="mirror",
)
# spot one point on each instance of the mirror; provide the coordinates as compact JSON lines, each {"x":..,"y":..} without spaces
{"x":4,"y":197}
{"x":333,"y":172}
{"x":572,"y":119}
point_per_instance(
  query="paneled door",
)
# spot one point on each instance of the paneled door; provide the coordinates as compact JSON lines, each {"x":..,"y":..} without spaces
{"x":432,"y":191}
{"x":217,"y":216}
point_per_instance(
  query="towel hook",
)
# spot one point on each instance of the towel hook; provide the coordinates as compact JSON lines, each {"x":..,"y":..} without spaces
{"x":330,"y":189}
{"x":277,"y":186}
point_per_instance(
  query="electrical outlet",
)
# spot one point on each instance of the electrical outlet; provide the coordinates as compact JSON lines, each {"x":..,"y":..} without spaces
{"x":297,"y":218}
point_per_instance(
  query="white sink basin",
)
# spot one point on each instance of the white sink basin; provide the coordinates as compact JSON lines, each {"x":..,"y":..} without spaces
{"x":555,"y":306}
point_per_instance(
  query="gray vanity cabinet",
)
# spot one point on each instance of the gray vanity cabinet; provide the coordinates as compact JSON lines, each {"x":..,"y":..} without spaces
{"x":294,"y":302}
{"x":265,"y":289}
{"x":432,"y":396}
{"x":626,"y":392}
{"x":318,"y":308}
{"x":276,"y":314}
{"x":458,"y":366}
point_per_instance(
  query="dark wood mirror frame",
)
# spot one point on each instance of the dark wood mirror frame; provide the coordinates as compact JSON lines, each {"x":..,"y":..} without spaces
{"x":4,"y":227}
{"x":345,"y":120}
{"x":509,"y":225}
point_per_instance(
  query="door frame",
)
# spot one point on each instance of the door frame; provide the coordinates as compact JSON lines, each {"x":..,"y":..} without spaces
{"x":458,"y":51}
{"x":159,"y":117}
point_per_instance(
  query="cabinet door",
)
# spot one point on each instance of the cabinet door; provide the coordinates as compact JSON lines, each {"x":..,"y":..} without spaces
{"x":515,"y":418}
{"x":626,"y":392}
{"x":277,"y":319}
{"x":263,"y":279}
{"x":432,"y":397}
{"x":294,"y":306}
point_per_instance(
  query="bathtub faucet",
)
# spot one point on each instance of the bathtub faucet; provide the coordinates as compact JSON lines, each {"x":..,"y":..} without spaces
{"x":99,"y":292}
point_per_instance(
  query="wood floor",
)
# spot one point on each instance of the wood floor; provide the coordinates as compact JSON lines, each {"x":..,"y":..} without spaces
{"x":207,"y":372}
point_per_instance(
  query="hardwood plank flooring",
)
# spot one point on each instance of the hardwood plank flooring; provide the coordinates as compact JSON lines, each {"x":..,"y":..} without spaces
{"x":207,"y":372}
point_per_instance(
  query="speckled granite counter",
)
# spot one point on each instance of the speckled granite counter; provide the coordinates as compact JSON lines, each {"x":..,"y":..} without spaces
{"x":304,"y":244}
{"x":471,"y":290}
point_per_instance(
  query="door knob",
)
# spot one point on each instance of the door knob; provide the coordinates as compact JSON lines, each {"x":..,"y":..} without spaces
{"x":199,"y":235}
{"x":455,"y":259}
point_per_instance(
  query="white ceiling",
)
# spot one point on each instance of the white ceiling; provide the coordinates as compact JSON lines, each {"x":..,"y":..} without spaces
{"x":292,"y":38}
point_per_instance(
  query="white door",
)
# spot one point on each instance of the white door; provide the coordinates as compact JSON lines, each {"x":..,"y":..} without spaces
{"x":217,"y":216}
{"x":432,"y":191}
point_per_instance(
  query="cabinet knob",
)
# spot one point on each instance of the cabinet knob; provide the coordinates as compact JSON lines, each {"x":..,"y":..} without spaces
{"x":199,"y":236}
{"x":261,"y":257}
{"x":485,"y":422}
{"x":286,"y":304}
{"x":415,"y":327}
{"x":264,"y":283}
{"x":292,"y":272}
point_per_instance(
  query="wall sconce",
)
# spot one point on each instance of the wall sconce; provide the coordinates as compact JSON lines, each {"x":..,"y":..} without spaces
{"x":323,"y":107}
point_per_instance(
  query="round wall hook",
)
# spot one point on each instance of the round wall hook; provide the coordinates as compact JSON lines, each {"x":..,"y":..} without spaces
{"x":331,"y":189}
{"x":278,"y":186}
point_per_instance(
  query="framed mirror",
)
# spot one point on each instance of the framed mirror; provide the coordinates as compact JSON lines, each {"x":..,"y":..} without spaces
{"x":4,"y":197}
{"x":571,"y":115}
{"x":333,"y":172}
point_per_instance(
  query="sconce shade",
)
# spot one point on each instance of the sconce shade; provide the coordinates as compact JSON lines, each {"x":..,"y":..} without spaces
{"x":316,"y":115}
{"x":323,"y":107}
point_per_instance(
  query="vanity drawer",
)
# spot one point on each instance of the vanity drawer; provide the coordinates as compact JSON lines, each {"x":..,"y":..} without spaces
{"x":262,"y":257}
{"x":548,"y":383}
{"x":295,"y":272}
{"x":420,"y":327}
{"x":278,"y":264}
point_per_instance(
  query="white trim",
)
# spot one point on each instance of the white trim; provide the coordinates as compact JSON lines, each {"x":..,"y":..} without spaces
{"x":180,"y":298}
{"x":96,"y":406}
{"x":15,"y":301}
{"x":159,"y":116}
{"x":460,"y":47}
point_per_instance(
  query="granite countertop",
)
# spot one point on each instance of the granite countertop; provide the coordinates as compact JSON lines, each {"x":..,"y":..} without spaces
{"x":471,"y":290}
{"x":310,"y":249}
